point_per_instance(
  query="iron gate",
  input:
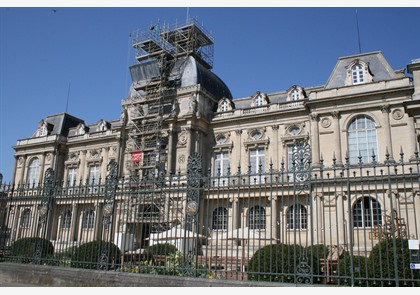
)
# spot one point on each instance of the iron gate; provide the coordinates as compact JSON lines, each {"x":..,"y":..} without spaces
{"x":350,"y":224}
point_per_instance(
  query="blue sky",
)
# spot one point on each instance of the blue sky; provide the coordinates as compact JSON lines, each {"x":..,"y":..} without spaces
{"x":270,"y":49}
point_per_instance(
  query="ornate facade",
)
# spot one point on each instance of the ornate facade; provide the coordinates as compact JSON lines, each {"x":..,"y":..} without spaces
{"x":365,"y":113}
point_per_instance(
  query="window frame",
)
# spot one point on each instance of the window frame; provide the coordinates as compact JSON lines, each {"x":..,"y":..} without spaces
{"x":357,"y":137}
{"x":33,"y":171}
{"x":297,"y":217}
{"x":220,"y":218}
{"x":357,"y":74}
{"x":257,"y":220}
{"x":366,"y":212}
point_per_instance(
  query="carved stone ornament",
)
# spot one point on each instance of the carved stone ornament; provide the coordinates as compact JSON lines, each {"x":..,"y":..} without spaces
{"x":20,"y":161}
{"x":397,"y":114}
{"x":48,"y":157}
{"x":182,"y":138}
{"x":325,"y":122}
{"x":94,"y":153}
{"x":181,"y":159}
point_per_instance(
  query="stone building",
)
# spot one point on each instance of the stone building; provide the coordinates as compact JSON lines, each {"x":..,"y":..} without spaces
{"x":366,"y":112}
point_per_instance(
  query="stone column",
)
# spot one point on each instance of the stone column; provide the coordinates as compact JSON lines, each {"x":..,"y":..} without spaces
{"x":274,"y":217}
{"x":387,"y":131}
{"x":98,"y":221}
{"x":315,"y":140}
{"x":42,"y":168}
{"x":238,"y":148}
{"x":189,"y":141}
{"x":82,"y":166}
{"x":22,"y":171}
{"x":235,"y":212}
{"x":170,"y":147}
{"x":337,"y":138}
{"x":275,"y":129}
{"x":104,"y":164}
{"x":412,"y":140}
{"x":73,"y":222}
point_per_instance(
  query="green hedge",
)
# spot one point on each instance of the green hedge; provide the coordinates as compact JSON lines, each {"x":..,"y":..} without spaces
{"x":160,"y":249}
{"x":274,"y":263}
{"x":24,"y":249}
{"x":89,"y":255}
{"x":382,"y":261}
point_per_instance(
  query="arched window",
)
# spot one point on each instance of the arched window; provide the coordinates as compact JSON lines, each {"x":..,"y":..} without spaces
{"x":362,"y":139}
{"x":256,"y":218}
{"x":25,"y":221}
{"x":367,"y":213}
{"x":297,"y":217}
{"x":295,"y":95}
{"x":357,"y":73}
{"x":88,"y":219}
{"x":66,"y":219}
{"x":220,"y":218}
{"x":33,"y":172}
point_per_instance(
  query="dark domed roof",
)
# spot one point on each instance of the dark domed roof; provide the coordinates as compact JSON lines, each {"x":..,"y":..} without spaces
{"x":185,"y":72}
{"x":192,"y":73}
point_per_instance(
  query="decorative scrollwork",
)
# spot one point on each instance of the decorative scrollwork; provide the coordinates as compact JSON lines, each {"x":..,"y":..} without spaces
{"x":47,"y":193}
{"x":301,"y":158}
{"x":303,"y":271}
{"x":110,"y":191}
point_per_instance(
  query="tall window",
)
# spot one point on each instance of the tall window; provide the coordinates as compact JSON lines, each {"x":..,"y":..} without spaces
{"x":94,"y":174}
{"x":89,"y":219}
{"x":33,"y":172}
{"x":259,"y":100}
{"x":256,"y":218}
{"x":25,"y":221}
{"x":297,"y":217}
{"x":71,"y":175}
{"x":358,"y":75}
{"x":257,"y":160}
{"x":224,"y":107}
{"x":66,"y":221}
{"x":367,"y":213}
{"x":43,"y":130}
{"x":221,"y":164}
{"x":220,"y":218}
{"x":295,"y":94}
{"x":362,"y":139}
{"x":102,"y":126}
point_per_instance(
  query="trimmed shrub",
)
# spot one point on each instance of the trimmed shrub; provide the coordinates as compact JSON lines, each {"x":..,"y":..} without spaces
{"x":315,"y":253}
{"x":360,"y":271}
{"x":160,"y":249}
{"x":382,"y":261}
{"x":96,"y":255}
{"x":25,"y":249}
{"x":275,"y":263}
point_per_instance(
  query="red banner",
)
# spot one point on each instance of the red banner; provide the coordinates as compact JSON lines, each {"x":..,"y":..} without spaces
{"x":136,"y":156}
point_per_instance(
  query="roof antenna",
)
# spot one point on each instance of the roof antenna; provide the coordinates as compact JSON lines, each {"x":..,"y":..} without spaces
{"x":358,"y":33}
{"x":68,"y":96}
{"x":187,"y":15}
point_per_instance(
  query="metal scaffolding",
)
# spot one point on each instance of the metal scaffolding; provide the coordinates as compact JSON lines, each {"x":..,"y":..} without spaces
{"x":158,"y":48}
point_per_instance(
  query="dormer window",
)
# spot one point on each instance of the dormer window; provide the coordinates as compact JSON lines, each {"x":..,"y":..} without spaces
{"x":358,"y":72}
{"x":43,"y":130}
{"x":295,"y":95}
{"x":81,"y":130}
{"x":102,"y":126}
{"x":225,"y":106}
{"x":358,"y":75}
{"x":259,"y":100}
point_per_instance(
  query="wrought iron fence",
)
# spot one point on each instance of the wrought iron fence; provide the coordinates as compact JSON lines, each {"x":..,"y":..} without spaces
{"x":351,"y":225}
